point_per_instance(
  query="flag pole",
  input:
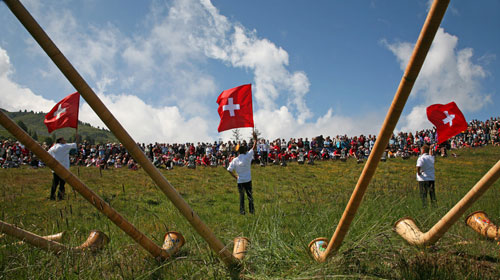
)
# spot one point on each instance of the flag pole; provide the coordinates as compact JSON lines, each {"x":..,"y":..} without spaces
{"x":424,"y":42}
{"x":112,"y":123}
{"x":77,"y":149}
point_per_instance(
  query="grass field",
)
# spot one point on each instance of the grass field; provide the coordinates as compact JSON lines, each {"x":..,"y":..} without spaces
{"x":294,"y":205}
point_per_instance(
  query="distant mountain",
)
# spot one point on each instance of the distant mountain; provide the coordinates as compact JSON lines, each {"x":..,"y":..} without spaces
{"x":33,"y":124}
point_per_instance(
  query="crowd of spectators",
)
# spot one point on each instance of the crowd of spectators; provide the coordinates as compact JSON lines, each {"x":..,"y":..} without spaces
{"x":279,"y":151}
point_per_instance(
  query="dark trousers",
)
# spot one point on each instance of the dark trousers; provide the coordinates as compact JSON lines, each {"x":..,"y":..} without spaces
{"x":427,"y":187}
{"x":242,"y":188}
{"x":56,"y":180}
{"x":263,"y":157}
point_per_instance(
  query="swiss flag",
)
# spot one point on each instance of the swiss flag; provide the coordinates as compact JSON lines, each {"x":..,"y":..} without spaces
{"x":64,"y":114}
{"x":448,"y":120}
{"x":235,"y":108}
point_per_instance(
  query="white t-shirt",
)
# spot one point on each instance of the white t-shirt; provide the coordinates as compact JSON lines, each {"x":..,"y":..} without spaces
{"x":426,"y":164}
{"x":61,"y":153}
{"x":242,"y":165}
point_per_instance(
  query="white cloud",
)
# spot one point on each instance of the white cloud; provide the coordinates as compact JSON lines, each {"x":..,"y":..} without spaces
{"x":146,"y":123}
{"x":16,"y":97}
{"x":91,"y":49}
{"x":447,"y":75}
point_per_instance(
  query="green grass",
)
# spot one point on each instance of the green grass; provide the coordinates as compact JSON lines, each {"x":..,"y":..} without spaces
{"x":294,"y":205}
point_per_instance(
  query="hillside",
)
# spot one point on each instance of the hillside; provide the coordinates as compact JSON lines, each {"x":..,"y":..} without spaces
{"x":37,"y":129}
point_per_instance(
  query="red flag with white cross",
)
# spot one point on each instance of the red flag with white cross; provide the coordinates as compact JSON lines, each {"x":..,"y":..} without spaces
{"x":448,"y":120}
{"x":235,"y":108}
{"x":64,"y":114}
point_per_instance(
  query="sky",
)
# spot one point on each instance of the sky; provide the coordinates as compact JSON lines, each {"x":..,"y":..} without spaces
{"x":320,"y":67}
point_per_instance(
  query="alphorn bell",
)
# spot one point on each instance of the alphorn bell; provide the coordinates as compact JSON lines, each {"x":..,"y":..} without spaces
{"x":95,"y":242}
{"x":240,"y":247}
{"x":173,"y":242}
{"x":480,"y":223}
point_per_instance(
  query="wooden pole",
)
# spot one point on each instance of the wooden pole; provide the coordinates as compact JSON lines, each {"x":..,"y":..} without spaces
{"x":431,"y":25}
{"x":407,"y":228}
{"x":112,"y":123}
{"x":81,"y":188}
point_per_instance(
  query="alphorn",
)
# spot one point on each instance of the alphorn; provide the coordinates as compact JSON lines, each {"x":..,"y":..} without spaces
{"x":407,"y":228}
{"x":431,"y":25}
{"x":96,"y":240}
{"x":116,"y":128}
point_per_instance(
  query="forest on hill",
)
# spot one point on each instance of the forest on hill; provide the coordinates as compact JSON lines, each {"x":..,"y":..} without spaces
{"x":32,"y":123}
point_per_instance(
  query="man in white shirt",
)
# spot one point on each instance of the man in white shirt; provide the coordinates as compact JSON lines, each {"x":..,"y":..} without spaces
{"x":263,"y":150}
{"x":60,"y":151}
{"x":242,"y":166}
{"x":425,"y":174}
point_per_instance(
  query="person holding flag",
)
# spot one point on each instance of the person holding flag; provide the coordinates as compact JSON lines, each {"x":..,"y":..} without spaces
{"x":64,"y":114}
{"x":242,"y":165}
{"x":60,"y":151}
{"x":449,"y":121}
{"x":235,"y":110}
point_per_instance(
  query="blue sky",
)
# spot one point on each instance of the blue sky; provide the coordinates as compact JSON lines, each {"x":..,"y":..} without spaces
{"x":316,"y":67}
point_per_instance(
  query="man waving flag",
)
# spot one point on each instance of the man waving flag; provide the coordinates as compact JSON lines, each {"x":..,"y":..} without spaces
{"x":448,"y":119}
{"x":64,"y":114}
{"x":235,"y":108}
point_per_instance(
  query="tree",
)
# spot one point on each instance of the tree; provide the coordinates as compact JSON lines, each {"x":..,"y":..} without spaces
{"x":236,"y":134}
{"x":89,"y":139}
{"x":48,"y":140}
{"x":22,"y":125}
{"x":35,"y":136}
{"x":257,"y":132}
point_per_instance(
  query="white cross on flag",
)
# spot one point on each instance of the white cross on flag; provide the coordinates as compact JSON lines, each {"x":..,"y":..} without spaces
{"x":448,"y":120}
{"x":235,"y":108}
{"x":64,"y":114}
